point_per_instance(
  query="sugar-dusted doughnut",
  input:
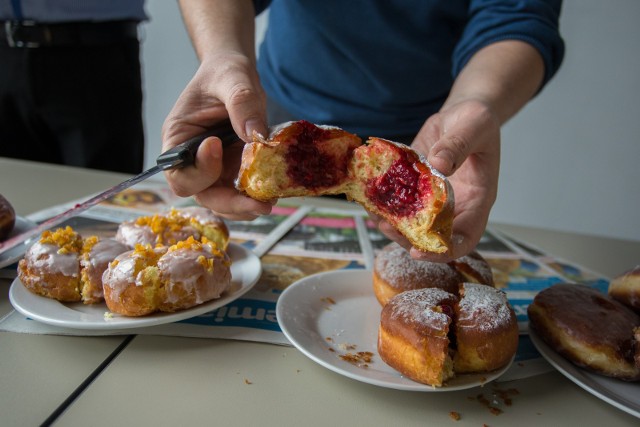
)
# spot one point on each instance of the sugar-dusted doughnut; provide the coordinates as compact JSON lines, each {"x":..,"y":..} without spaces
{"x":431,"y":335}
{"x":394,"y":271}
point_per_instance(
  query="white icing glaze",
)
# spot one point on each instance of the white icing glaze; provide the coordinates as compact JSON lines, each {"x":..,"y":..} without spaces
{"x":200,"y":214}
{"x":45,"y":257}
{"x":181,"y":267}
{"x":130,"y":234}
{"x":103,"y":252}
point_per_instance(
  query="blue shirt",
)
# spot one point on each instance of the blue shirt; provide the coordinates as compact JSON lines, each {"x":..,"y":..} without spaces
{"x":382,"y":67}
{"x":57,"y":11}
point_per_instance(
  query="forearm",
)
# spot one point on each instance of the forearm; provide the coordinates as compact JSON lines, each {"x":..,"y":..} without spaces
{"x":504,"y":76}
{"x":220,"y":26}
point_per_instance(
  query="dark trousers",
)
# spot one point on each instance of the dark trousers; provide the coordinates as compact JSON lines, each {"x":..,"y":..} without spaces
{"x":74,"y":105}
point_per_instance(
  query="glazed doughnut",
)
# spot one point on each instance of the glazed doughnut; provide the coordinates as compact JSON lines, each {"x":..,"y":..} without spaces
{"x":394,"y":271}
{"x":626,"y":289}
{"x":430,"y":335}
{"x":171,"y":227}
{"x":387,"y":178}
{"x":97,"y":253}
{"x":589,"y":328}
{"x":7,"y":218}
{"x":167,"y":279}
{"x":64,"y":266}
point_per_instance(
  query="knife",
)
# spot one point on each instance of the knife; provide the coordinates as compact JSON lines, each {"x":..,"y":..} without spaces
{"x":180,"y":156}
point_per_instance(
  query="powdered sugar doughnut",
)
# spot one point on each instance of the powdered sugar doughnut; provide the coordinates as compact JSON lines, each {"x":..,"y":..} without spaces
{"x":395,"y":272}
{"x":430,"y":335}
{"x":486,"y":329}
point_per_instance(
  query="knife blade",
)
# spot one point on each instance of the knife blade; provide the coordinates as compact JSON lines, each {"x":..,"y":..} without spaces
{"x":180,"y":156}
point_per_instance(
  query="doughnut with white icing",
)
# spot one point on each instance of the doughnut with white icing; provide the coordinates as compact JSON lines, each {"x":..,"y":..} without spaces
{"x":166,"y":279}
{"x":173,"y":226}
{"x":67,"y":267}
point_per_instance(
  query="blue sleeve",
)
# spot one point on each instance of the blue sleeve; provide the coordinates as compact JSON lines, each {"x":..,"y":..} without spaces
{"x":261,"y":5}
{"x":531,"y":21}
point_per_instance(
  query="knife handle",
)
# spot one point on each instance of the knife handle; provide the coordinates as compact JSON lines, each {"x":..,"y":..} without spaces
{"x":184,"y":154}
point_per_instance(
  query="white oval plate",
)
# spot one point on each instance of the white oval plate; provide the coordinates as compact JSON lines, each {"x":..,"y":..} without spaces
{"x":621,"y":394}
{"x":330,"y":314}
{"x":245,"y":272}
{"x":14,"y":254}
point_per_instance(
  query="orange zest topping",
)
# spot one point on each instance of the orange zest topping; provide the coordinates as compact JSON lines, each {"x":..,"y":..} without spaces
{"x":65,"y":238}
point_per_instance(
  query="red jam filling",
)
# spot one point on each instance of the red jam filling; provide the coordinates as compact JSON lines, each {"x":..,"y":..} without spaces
{"x":308,"y":166}
{"x":400,"y":190}
{"x":446,"y":309}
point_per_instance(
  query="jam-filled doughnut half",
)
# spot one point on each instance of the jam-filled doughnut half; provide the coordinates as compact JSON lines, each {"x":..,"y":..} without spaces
{"x":396,"y":183}
{"x":297,"y":159}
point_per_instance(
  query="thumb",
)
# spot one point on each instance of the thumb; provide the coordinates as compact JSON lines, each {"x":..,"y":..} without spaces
{"x":246,"y":104}
{"x":448,"y":153}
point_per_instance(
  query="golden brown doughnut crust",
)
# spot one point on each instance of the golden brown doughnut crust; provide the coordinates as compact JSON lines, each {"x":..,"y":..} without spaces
{"x":486,"y":329}
{"x":431,"y":335}
{"x":7,"y":218}
{"x":412,"y":337}
{"x":65,"y":266}
{"x":394,"y":271}
{"x":589,"y":328}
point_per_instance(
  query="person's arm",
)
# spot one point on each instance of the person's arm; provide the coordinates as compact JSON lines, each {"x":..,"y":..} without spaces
{"x":463,"y":140}
{"x":225,"y":85}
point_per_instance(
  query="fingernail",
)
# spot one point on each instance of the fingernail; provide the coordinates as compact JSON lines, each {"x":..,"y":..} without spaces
{"x":444,"y":161}
{"x":251,"y":125}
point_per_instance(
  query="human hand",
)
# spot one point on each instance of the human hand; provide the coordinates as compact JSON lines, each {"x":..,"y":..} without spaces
{"x":462,"y":141}
{"x":225,"y":85}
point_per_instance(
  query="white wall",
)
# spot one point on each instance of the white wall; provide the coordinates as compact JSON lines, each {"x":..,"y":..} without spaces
{"x":570,"y":158}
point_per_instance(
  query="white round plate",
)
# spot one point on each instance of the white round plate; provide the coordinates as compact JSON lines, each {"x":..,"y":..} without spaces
{"x":14,"y":254}
{"x":335,"y":314}
{"x":621,"y":394}
{"x":245,"y":272}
